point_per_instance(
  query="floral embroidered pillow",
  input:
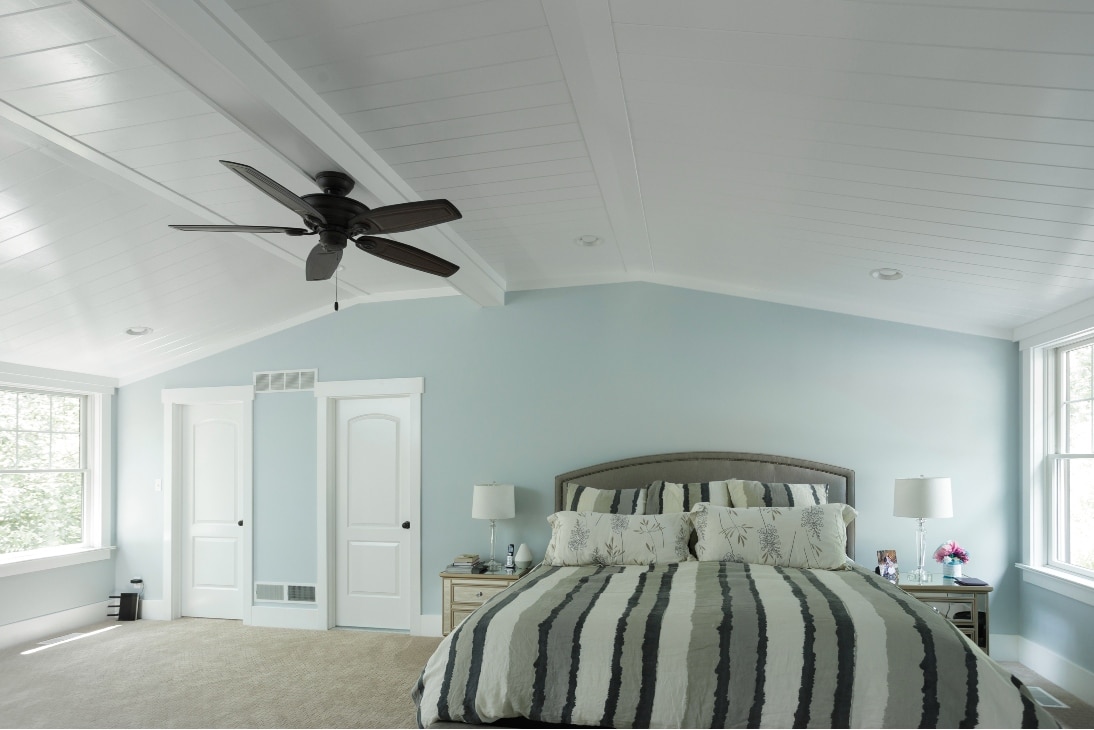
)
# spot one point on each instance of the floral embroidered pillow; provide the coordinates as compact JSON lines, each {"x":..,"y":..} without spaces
{"x":789,"y":537}
{"x":596,"y":538}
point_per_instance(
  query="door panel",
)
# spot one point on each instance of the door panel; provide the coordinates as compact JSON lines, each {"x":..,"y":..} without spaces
{"x":212,"y":494}
{"x":372,"y":464}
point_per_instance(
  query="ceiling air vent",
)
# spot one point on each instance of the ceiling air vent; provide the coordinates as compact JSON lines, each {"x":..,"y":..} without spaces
{"x":285,"y":381}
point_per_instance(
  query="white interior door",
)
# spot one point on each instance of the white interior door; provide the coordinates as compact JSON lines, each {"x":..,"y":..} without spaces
{"x":212,"y":475}
{"x":376,"y":501}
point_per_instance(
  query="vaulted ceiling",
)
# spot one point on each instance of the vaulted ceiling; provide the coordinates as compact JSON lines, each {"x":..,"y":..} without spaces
{"x":775,"y":149}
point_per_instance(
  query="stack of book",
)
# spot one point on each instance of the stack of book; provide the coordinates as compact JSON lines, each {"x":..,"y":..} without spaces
{"x":466,"y":563}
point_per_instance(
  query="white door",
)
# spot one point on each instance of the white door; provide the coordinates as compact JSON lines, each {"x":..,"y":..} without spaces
{"x":375,"y":512}
{"x":212,"y":472}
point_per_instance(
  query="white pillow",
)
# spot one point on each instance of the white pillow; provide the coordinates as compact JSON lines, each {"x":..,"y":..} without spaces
{"x":789,"y":537}
{"x":596,"y":538}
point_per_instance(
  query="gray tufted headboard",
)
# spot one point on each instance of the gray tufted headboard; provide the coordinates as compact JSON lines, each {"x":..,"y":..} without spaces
{"x":706,"y":466}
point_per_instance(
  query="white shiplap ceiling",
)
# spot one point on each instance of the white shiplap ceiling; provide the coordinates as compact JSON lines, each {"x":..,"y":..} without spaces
{"x":777,"y":149}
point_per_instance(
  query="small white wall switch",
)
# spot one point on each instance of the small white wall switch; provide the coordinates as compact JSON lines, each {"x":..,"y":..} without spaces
{"x":158,"y":484}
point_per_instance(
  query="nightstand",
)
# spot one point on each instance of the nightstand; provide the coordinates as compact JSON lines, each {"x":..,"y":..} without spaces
{"x":952,"y":600}
{"x":465,"y":592}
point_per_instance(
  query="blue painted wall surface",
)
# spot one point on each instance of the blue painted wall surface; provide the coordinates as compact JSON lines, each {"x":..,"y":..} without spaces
{"x":563,"y":378}
{"x":32,"y":595}
{"x":1058,"y":623}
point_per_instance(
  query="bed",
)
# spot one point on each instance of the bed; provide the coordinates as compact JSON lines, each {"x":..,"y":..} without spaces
{"x":711,"y":642}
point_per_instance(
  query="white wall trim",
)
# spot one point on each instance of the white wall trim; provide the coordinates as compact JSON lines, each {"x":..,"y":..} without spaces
{"x":29,"y":376}
{"x":52,"y":624}
{"x":1055,"y":668}
{"x":155,"y":610}
{"x":429,"y":625}
{"x":61,"y":560}
{"x":1004,"y":647}
{"x":287,"y":617}
{"x":326,"y":394}
{"x":1058,"y":581}
{"x":173,"y":399}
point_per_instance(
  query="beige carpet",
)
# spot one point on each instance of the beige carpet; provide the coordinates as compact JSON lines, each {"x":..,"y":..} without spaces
{"x":205,"y":673}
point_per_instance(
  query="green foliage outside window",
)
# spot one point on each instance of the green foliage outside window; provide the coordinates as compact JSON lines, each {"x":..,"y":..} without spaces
{"x":41,"y":470}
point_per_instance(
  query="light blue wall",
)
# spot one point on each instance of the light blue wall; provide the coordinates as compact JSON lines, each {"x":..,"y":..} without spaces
{"x":563,"y":378}
{"x":1058,"y":623}
{"x":32,"y":595}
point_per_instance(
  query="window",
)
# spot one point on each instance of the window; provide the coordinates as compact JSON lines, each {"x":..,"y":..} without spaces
{"x":43,"y":471}
{"x":1070,"y":508}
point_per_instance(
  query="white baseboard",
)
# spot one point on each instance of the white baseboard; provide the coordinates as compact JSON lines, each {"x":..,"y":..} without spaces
{"x":155,"y":610}
{"x":1004,"y":647}
{"x":1055,"y":668}
{"x":51,"y":625}
{"x":429,"y":625}
{"x":285,"y":617}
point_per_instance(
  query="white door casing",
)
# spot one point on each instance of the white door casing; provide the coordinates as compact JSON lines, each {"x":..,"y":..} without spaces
{"x":369,"y":486}
{"x":211,"y":510}
{"x":211,"y":475}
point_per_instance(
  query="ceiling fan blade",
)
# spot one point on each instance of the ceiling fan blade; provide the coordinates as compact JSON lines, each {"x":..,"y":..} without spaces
{"x":406,"y":216}
{"x":323,"y":262}
{"x":275,"y":190}
{"x":404,"y":255}
{"x":245,"y":229}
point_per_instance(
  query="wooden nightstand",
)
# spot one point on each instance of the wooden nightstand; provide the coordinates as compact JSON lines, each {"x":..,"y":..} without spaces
{"x":949,"y":599}
{"x":465,"y":592}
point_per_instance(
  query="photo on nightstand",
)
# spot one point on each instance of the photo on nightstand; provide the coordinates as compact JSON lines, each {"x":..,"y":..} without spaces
{"x":887,"y":566}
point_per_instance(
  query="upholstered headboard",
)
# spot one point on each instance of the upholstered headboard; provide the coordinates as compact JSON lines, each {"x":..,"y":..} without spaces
{"x":706,"y":466}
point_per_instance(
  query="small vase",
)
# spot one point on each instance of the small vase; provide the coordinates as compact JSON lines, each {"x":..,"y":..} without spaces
{"x":523,"y":557}
{"x":951,"y":568}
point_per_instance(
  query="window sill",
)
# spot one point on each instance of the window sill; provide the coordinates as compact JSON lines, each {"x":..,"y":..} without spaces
{"x":72,"y":556}
{"x":1058,"y":581}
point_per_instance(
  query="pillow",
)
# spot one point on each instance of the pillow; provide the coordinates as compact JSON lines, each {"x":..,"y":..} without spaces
{"x":577,"y":498}
{"x":595,"y":538}
{"x":743,"y":493}
{"x":789,"y":537}
{"x":665,"y":497}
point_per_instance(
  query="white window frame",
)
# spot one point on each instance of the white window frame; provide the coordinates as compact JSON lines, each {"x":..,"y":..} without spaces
{"x":1038,"y":378}
{"x":98,"y":507}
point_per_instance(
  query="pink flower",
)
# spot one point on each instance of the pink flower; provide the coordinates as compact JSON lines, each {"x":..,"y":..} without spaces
{"x":951,"y":549}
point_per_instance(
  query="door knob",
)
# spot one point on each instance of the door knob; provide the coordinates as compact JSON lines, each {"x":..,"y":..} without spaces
{"x":406,"y":525}
{"x":241,"y":523}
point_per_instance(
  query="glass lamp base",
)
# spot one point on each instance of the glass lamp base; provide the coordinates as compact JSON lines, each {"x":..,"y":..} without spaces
{"x":918,"y":576}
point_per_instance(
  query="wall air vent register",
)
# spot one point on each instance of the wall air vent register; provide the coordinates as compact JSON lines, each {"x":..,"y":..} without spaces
{"x":285,"y":381}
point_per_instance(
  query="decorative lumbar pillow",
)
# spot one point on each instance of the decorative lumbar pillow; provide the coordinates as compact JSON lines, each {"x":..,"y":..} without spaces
{"x":789,"y":537}
{"x":595,"y":538}
{"x":665,"y":497}
{"x":608,"y":501}
{"x":744,"y":493}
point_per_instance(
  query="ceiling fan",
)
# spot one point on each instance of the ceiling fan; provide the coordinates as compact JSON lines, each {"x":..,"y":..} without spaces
{"x":337,"y":219}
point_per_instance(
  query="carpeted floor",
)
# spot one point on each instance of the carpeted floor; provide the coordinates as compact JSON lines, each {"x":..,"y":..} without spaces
{"x":204,"y":673}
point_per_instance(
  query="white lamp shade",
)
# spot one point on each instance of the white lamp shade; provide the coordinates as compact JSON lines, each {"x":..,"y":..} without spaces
{"x":923,"y":497}
{"x":493,"y":502}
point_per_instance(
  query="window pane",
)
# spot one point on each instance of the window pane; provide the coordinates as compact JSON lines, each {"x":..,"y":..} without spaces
{"x":33,"y":412}
{"x":1078,"y":428}
{"x":7,"y":449}
{"x":1079,"y":373}
{"x":7,"y":409}
{"x":40,"y":510}
{"x":33,"y":450}
{"x":65,"y":451}
{"x":66,"y":414}
{"x":1080,"y":528}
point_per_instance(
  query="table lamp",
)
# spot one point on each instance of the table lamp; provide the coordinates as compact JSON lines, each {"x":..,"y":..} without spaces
{"x":921,"y":498}
{"x":493,"y":502}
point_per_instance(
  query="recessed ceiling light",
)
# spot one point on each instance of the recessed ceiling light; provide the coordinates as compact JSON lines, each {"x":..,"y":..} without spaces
{"x":587,"y":240}
{"x":139,"y":331}
{"x":887,"y":274}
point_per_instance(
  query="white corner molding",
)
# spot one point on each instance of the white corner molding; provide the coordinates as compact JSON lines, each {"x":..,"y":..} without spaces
{"x":51,"y":625}
{"x":1066,"y":584}
{"x":1077,"y":680}
{"x":155,"y":610}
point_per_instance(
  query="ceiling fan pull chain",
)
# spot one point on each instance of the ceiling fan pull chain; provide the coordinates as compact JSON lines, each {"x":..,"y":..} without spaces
{"x":336,"y":290}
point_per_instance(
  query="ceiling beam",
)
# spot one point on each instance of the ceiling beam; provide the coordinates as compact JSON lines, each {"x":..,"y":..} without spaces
{"x":211,"y":48}
{"x":585,"y":41}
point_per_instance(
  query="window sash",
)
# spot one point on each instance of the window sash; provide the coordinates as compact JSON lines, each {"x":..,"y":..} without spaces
{"x":1058,"y":513}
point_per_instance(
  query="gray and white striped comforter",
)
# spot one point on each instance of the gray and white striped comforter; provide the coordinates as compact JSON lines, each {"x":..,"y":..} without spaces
{"x":709,"y":644}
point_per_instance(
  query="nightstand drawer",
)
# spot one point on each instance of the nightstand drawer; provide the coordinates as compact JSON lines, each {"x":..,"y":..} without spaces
{"x":475,"y":592}
{"x":459,"y":614}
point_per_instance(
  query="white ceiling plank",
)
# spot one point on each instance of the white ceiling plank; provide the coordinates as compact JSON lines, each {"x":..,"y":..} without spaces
{"x":582,"y":33}
{"x":49,"y":27}
{"x":65,"y":63}
{"x":266,"y":97}
{"x":493,"y":124}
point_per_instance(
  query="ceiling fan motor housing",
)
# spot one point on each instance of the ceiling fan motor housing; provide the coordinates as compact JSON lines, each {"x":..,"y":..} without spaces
{"x":339,"y":212}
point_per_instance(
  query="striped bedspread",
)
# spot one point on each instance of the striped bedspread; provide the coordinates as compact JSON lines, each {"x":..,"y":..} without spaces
{"x":709,"y":644}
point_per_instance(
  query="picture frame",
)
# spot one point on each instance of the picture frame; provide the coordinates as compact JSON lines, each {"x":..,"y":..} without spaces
{"x":887,"y":566}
